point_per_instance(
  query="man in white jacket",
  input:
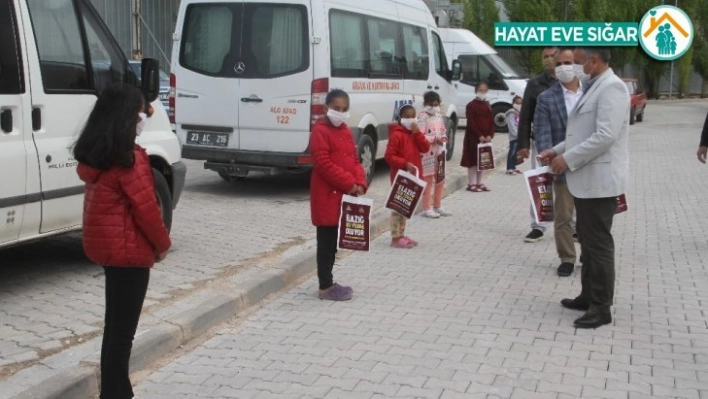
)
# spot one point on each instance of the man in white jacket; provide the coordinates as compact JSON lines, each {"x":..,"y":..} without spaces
{"x":595,"y":159}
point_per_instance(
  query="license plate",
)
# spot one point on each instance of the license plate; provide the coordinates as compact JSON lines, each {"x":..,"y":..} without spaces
{"x":164,"y":97}
{"x":210,"y":139}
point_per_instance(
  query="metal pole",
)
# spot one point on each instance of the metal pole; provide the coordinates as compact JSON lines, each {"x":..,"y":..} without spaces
{"x":137,"y":30}
{"x":671,"y":78}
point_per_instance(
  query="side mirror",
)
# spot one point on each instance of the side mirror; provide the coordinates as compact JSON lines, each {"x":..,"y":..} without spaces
{"x":150,"y":71}
{"x":456,"y":70}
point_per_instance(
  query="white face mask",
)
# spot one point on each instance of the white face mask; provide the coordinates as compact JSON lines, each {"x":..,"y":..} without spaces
{"x":517,"y":107}
{"x":432,"y":110}
{"x":336,"y":117}
{"x":565,"y":73}
{"x":579,"y":72}
{"x":408,"y":122}
{"x":482,"y":96}
{"x":141,"y":125}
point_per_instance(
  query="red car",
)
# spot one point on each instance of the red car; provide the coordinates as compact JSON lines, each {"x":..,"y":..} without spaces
{"x":638,"y":100}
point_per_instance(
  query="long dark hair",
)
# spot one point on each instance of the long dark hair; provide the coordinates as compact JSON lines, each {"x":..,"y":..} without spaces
{"x":109,"y":135}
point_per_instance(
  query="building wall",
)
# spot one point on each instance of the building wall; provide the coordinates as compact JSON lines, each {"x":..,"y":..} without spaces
{"x":158,"y":19}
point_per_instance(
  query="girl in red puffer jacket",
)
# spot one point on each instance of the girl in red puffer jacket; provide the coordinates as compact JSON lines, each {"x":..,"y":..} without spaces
{"x":123,"y":229}
{"x":406,"y":143}
{"x":336,"y":171}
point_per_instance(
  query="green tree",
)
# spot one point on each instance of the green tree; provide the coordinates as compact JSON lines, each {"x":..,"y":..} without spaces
{"x":700,"y":43}
{"x":529,"y":58}
{"x":480,"y":16}
{"x":685,"y":63}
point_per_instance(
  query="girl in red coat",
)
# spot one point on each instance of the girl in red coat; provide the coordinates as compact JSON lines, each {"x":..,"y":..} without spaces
{"x":123,"y":229}
{"x":406,"y":143}
{"x":480,"y":129}
{"x":336,"y":171}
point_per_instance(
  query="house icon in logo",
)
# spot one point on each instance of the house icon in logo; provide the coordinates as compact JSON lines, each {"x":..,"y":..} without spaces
{"x":667,"y":32}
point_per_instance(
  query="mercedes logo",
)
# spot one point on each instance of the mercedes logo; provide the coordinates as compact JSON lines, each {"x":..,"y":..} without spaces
{"x":240,"y":68}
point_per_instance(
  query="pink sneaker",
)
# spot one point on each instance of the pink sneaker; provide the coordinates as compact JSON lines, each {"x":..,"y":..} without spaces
{"x":402,"y":242}
{"x":412,"y":241}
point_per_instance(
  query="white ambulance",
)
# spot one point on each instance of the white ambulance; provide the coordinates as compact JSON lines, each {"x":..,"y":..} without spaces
{"x":481,"y":62}
{"x":55,"y":56}
{"x":249,"y":78}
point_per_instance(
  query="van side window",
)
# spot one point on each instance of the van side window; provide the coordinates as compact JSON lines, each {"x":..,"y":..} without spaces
{"x":61,"y":52}
{"x":489,"y":74}
{"x":470,"y":70}
{"x":11,"y":80}
{"x":248,"y":41}
{"x":385,"y":53}
{"x":207,"y":38}
{"x":107,"y":61}
{"x":415,"y":43}
{"x":347,"y":41}
{"x":439,"y":58}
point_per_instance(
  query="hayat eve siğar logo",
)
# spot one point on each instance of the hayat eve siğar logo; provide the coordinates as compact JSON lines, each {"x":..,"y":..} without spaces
{"x":666,"y":33}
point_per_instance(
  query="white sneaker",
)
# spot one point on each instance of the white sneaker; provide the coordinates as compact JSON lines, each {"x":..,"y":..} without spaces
{"x":442,"y":212}
{"x":430,"y":213}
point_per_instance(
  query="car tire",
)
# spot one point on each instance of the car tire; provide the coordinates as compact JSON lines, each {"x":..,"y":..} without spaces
{"x":164,"y":197}
{"x":451,"y":133}
{"x":640,"y":117}
{"x":499,"y":114}
{"x":367,"y":157}
{"x":631,"y":116}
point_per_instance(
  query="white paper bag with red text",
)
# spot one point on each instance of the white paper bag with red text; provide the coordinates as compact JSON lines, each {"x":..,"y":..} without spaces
{"x":355,"y":223}
{"x":485,"y":157}
{"x":539,"y":183}
{"x":406,"y":192}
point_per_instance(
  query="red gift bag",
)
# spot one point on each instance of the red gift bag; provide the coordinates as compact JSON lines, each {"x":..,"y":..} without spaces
{"x":485,"y":157}
{"x":621,"y":204}
{"x":355,"y":223}
{"x":405,"y":193}
{"x":440,"y":167}
{"x":539,"y":183}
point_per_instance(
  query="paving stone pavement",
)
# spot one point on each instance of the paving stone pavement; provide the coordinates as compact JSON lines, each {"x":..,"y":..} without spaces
{"x":473,"y":312}
{"x":52,"y":297}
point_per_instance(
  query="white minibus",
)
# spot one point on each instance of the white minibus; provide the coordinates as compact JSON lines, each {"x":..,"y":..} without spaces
{"x":249,"y":78}
{"x":481,"y":62}
{"x":55,"y":57}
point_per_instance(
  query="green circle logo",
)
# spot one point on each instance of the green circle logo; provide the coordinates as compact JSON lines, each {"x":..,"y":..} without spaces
{"x":666,"y":33}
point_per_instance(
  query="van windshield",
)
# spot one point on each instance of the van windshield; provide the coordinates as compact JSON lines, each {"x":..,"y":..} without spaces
{"x":250,"y":41}
{"x":502,"y":67}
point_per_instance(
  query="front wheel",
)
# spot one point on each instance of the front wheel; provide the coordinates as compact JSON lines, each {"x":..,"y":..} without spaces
{"x":451,"y":132}
{"x":499,"y":112}
{"x":631,"y":116}
{"x":367,"y":157}
{"x":164,"y":197}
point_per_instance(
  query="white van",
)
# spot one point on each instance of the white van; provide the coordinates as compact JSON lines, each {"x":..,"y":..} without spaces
{"x":481,"y":62}
{"x":250,"y":77}
{"x":55,"y":56}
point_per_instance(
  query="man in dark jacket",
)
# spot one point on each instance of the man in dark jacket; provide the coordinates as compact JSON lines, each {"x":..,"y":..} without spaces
{"x":534,"y":87}
{"x":703,"y":146}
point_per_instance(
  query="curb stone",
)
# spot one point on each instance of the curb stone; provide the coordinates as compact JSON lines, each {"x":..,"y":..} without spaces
{"x":151,"y":345}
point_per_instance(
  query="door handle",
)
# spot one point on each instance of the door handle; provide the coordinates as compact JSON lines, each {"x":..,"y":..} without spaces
{"x":252,"y":99}
{"x":430,"y":86}
{"x":6,"y":121}
{"x":36,"y":119}
{"x":437,"y":87}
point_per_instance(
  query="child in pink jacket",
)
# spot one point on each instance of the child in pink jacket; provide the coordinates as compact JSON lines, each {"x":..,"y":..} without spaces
{"x":433,"y":125}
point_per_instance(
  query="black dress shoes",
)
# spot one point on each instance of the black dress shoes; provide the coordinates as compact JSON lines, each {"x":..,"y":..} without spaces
{"x":575,"y":304}
{"x":593,"y":319}
{"x":565,"y":269}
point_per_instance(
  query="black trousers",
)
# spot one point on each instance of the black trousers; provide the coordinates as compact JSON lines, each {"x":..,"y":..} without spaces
{"x":594,"y":227}
{"x":326,"y":252}
{"x":125,"y":292}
